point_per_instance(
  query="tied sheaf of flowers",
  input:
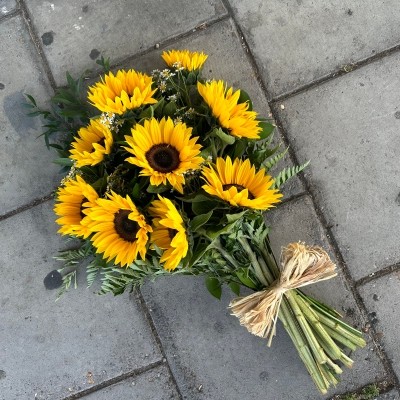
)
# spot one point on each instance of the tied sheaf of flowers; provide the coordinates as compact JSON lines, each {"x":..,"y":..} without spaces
{"x":135,"y":169}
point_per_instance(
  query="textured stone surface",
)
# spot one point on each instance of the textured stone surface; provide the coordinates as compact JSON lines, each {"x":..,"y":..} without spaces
{"x":297,"y":42}
{"x":7,"y":6}
{"x":152,"y":385}
{"x":392,"y":395}
{"x":25,"y":163}
{"x":83,"y":30}
{"x":207,"y":347}
{"x":349,"y":128}
{"x":53,"y":349}
{"x":382,"y":299}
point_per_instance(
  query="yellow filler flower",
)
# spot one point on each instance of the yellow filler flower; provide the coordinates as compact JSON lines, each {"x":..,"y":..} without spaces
{"x":164,"y":151}
{"x":169,"y":232}
{"x":186,"y":59}
{"x":233,"y":116}
{"x":74,"y":199}
{"x":240,"y":185}
{"x":93,"y":143}
{"x":124,"y":91}
{"x":120,"y":230}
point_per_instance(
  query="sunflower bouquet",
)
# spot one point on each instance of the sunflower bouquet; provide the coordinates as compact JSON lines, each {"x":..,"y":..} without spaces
{"x":170,"y":173}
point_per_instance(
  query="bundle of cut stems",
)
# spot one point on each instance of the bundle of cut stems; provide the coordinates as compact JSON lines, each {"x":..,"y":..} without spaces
{"x":317,"y":331}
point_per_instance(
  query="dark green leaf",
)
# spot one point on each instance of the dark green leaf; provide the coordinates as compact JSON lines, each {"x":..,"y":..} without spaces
{"x":199,"y":220}
{"x":147,"y":112}
{"x":234,"y":217}
{"x":170,"y":109}
{"x":243,"y":275}
{"x":64,"y":162}
{"x":214,"y":286}
{"x":267,"y":129}
{"x":235,"y":287}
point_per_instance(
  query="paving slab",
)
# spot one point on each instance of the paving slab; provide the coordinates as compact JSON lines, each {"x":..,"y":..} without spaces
{"x":349,"y":128}
{"x":213,"y":357}
{"x":7,"y":7}
{"x":382,"y":299}
{"x":26,"y":165}
{"x":155,"y":384}
{"x":297,"y":42}
{"x":49,"y":349}
{"x":392,"y":395}
{"x":82,"y":30}
{"x":224,"y":48}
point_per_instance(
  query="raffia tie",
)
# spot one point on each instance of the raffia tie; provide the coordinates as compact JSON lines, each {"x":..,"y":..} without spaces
{"x":301,"y":265}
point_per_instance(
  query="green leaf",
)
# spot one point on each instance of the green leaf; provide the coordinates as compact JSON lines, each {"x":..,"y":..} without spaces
{"x":234,"y":217}
{"x":156,"y":189}
{"x":274,"y":160}
{"x":200,"y":249}
{"x":288,"y":173}
{"x":243,"y":275}
{"x":214,"y":287}
{"x":244,"y":97}
{"x":147,"y":112}
{"x":240,"y":148}
{"x":199,"y":220}
{"x":67,"y":162}
{"x":191,"y":78}
{"x":235,"y":287}
{"x":213,"y":234}
{"x":170,"y":109}
{"x":229,"y":139}
{"x":32,"y":100}
{"x":267,"y":129}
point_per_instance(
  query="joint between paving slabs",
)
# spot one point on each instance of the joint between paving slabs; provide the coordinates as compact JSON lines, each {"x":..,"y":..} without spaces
{"x":28,"y":206}
{"x":113,"y":381}
{"x":391,"y":376}
{"x":36,"y":41}
{"x":10,"y":15}
{"x":391,"y":269}
{"x":146,"y":311}
{"x":380,"y":387}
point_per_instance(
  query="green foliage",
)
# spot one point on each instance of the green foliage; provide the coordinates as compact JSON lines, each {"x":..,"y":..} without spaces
{"x":288,"y":173}
{"x":214,"y":286}
{"x":104,"y":63}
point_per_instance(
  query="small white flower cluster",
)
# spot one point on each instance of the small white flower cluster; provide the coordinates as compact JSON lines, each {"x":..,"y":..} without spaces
{"x":177,"y":120}
{"x":189,"y":113}
{"x":166,"y":73}
{"x":173,"y":97}
{"x":178,"y":66}
{"x":71,"y":174}
{"x":108,"y":120}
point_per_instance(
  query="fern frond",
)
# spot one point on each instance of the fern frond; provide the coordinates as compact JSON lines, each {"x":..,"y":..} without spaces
{"x":66,"y":283}
{"x":288,"y":173}
{"x":274,"y":160}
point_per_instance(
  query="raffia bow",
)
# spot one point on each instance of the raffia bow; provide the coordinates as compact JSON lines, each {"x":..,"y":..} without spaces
{"x":301,"y":265}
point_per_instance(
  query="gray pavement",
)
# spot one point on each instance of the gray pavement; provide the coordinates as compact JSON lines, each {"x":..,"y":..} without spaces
{"x":328,"y":74}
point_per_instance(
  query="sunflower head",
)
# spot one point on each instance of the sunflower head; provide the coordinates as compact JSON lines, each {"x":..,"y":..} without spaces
{"x":124,"y":91}
{"x":165,"y":151}
{"x":92,"y":144}
{"x":233,"y":116}
{"x":120,"y":230}
{"x":188,"y":60}
{"x":74,"y":199}
{"x":169,"y":232}
{"x":240,"y":185}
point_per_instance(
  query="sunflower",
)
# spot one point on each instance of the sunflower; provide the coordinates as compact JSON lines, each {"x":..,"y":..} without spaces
{"x":93,"y":143}
{"x":169,"y":232}
{"x":124,"y":91}
{"x":231,"y":115}
{"x":186,"y":59}
{"x":164,"y":151}
{"x":240,"y":185}
{"x":74,"y":199}
{"x":120,"y":231}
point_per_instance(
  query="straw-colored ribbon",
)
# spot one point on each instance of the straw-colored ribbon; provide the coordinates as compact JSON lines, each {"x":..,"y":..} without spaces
{"x":301,"y":265}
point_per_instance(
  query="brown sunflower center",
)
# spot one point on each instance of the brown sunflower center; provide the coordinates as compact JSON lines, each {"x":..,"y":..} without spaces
{"x":84,"y":200}
{"x":172,"y":233}
{"x":239,"y":189}
{"x":125,"y":227}
{"x":163,"y":157}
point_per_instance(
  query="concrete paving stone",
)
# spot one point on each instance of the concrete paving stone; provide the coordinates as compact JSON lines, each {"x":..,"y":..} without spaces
{"x":75,"y":33}
{"x":26,"y":165}
{"x":349,"y":127}
{"x":7,"y":7}
{"x":213,"y":357}
{"x":382,"y":299}
{"x":392,"y":395}
{"x":156,"y":384}
{"x":223,"y":46}
{"x":49,"y":349}
{"x":297,"y":42}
